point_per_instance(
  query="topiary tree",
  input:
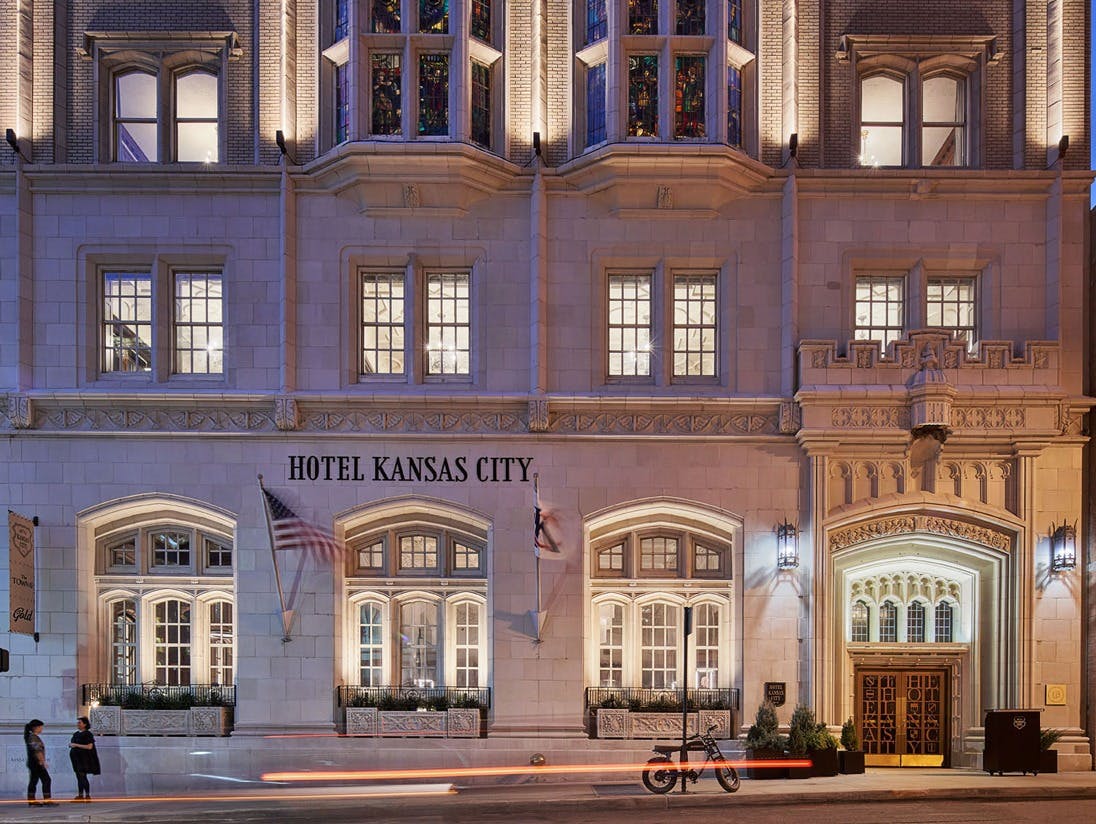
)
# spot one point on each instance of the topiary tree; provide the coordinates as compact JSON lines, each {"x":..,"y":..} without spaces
{"x":764,"y":734}
{"x":801,"y":730}
{"x":850,"y":737}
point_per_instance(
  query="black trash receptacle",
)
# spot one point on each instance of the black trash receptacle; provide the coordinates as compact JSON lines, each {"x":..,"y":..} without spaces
{"x":1012,"y":741}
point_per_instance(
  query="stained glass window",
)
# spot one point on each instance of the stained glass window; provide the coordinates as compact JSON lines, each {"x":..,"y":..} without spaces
{"x":734,"y":20}
{"x":434,"y":94}
{"x":734,"y":107}
{"x":387,"y":103}
{"x":342,"y":19}
{"x":386,"y":16}
{"x":595,"y":104}
{"x":643,"y":95}
{"x":481,"y":104}
{"x":690,"y":16}
{"x":481,"y":20}
{"x":434,"y":16}
{"x":642,"y":16}
{"x":342,"y":102}
{"x":689,"y":96}
{"x":597,"y":21}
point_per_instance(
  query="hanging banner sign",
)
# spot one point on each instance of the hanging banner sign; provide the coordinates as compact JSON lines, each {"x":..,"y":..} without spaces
{"x":21,"y":565}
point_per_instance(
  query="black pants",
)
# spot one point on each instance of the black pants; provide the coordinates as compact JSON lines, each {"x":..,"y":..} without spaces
{"x":37,"y":771}
{"x":82,"y":785}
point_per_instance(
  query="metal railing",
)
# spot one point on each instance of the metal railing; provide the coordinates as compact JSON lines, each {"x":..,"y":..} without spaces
{"x":160,"y":696}
{"x":412,"y":698}
{"x":660,"y":700}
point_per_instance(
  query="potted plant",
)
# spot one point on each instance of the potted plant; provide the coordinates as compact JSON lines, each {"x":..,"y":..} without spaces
{"x":1048,"y":758}
{"x":809,"y":739}
{"x":851,"y":756}
{"x":764,"y":743}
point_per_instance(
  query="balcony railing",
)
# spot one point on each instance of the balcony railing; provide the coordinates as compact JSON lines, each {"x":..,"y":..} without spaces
{"x":413,"y":698}
{"x":159,"y":696}
{"x":663,"y":700}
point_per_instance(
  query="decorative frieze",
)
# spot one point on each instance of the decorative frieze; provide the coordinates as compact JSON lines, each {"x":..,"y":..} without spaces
{"x":285,"y":413}
{"x":424,"y":724}
{"x":988,"y":417}
{"x":153,"y":420}
{"x":791,"y":418}
{"x":395,"y":421}
{"x":905,"y":524}
{"x":20,"y":411}
{"x":874,"y":417}
{"x":361,"y":721}
{"x":621,"y":723}
{"x":660,"y":423}
{"x":538,"y":415}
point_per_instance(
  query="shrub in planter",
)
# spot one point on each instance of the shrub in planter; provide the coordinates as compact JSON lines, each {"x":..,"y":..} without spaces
{"x":764,"y":742}
{"x":851,"y":758}
{"x":807,"y":738}
{"x":1048,"y":758}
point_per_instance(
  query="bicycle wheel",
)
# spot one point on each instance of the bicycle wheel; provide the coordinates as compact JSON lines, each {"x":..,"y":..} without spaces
{"x":728,"y":778}
{"x":660,"y":775}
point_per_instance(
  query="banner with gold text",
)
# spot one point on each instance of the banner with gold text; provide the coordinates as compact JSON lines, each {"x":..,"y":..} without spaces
{"x":21,"y":565}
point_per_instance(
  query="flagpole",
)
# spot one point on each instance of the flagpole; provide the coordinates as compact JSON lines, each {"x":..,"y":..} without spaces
{"x":274,"y":557}
{"x":536,"y":554}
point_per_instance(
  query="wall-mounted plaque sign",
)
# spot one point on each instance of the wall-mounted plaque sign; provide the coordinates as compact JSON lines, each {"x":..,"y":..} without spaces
{"x":775,"y":692}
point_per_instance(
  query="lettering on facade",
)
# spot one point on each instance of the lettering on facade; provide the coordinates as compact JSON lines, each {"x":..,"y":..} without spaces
{"x":21,"y":567}
{"x":421,"y":469}
{"x":776,"y":692}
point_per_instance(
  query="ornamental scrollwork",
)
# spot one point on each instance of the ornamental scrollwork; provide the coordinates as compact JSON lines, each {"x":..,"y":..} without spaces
{"x":538,"y":415}
{"x":285,"y":413}
{"x":610,"y":423}
{"x":876,"y":417}
{"x":20,"y":411}
{"x":904,"y":524}
{"x":157,"y":420}
{"x":988,"y":417}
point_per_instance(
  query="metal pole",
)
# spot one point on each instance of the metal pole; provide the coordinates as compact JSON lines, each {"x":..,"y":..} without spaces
{"x":687,"y":628}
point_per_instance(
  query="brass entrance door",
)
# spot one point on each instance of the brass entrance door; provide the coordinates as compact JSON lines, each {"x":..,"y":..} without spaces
{"x":902,"y":717}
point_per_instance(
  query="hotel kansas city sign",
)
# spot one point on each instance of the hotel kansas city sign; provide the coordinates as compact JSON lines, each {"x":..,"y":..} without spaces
{"x":21,"y":566}
{"x":408,"y":468}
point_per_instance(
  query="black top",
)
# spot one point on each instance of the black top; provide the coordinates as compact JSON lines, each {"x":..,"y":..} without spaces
{"x":36,"y":751}
{"x":84,"y":761}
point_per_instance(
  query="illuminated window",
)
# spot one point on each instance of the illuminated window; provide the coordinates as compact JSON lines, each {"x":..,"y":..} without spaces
{"x":734,"y":20}
{"x":951,"y":304}
{"x":707,"y":645}
{"x":171,"y":548}
{"x":419,"y":552}
{"x":481,"y":104}
{"x":465,"y":558}
{"x":371,"y":556}
{"x":597,"y":21}
{"x":610,"y":645}
{"x":643,"y":95}
{"x":197,"y":115}
{"x":734,"y":107}
{"x":382,"y":323}
{"x":192,"y":133}
{"x":610,"y":561}
{"x":467,"y":644}
{"x":342,"y":19}
{"x":371,"y":645}
{"x":915,"y":623}
{"x":127,"y":322}
{"x":385,"y":16}
{"x":658,"y":554}
{"x":387,"y":105}
{"x":882,"y":120}
{"x":888,"y":622}
{"x":419,"y":644}
{"x":481,"y":20}
{"x":861,"y":617}
{"x":136,"y":125}
{"x":434,"y":16}
{"x":171,"y":642}
{"x":643,"y":16}
{"x":595,"y":104}
{"x":943,"y":121}
{"x":199,"y":323}
{"x":123,"y":642}
{"x":880,"y":308}
{"x":659,"y":644}
{"x":433,"y":94}
{"x":945,"y":623}
{"x":629,"y":324}
{"x":448,"y":323}
{"x":689,"y":97}
{"x":220,"y":643}
{"x":690,"y":17}
{"x":342,"y":103}
{"x":695,"y":333}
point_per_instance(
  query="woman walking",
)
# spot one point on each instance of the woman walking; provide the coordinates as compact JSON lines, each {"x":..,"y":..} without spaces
{"x":36,"y":763}
{"x":84,"y":757}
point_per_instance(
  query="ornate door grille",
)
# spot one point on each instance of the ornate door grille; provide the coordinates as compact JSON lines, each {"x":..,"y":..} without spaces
{"x":902,"y":717}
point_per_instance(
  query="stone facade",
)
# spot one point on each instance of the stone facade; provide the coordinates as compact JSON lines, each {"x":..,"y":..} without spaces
{"x":797,"y":424}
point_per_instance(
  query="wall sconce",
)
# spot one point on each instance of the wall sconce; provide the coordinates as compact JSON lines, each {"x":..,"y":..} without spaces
{"x":793,"y":144}
{"x":787,"y":545}
{"x":536,"y":143}
{"x":13,"y":141}
{"x":1063,"y":548}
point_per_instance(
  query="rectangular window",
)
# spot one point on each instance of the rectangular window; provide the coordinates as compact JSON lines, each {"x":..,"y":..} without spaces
{"x":658,"y":555}
{"x":136,"y":126}
{"x":467,"y":645}
{"x":123,"y":553}
{"x":860,"y":631}
{"x":629,"y":324}
{"x":481,"y":104}
{"x":342,"y":103}
{"x":695,"y":331}
{"x":199,"y":324}
{"x":690,"y":16}
{"x":706,"y":622}
{"x":642,"y":16}
{"x":220,"y":643}
{"x":387,"y":103}
{"x":434,"y":16}
{"x":481,"y":20}
{"x":127,"y":322}
{"x":734,"y":20}
{"x":734,"y":107}
{"x":597,"y":21}
{"x":418,"y":552}
{"x":944,"y":615}
{"x":171,"y":549}
{"x":610,"y":561}
{"x":658,"y":646}
{"x":171,"y":644}
{"x":689,"y":97}
{"x":611,"y":645}
{"x":915,"y":623}
{"x":888,"y":623}
{"x":371,"y":645}
{"x":595,"y":104}
{"x":383,"y":323}
{"x":419,"y":644}
{"x":880,"y":308}
{"x":465,"y":558}
{"x":950,"y":304}
{"x":123,"y":642}
{"x":882,"y":120}
{"x":643,"y":95}
{"x":385,"y":17}
{"x":218,"y":556}
{"x":433,"y":94}
{"x":448,"y":324}
{"x":342,"y":19}
{"x":372,"y":556}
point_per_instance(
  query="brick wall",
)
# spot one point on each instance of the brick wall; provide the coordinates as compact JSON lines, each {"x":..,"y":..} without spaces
{"x":8,"y":91}
{"x":557,"y":27}
{"x":519,"y":58}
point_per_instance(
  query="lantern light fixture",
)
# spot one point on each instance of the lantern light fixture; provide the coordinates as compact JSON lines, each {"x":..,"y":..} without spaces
{"x":787,"y":545}
{"x":1063,"y":547}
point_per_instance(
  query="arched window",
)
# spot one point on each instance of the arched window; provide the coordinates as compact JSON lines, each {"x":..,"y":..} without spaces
{"x":888,"y":622}
{"x":943,"y":121}
{"x":882,"y":120}
{"x":136,"y":109}
{"x":658,"y":646}
{"x":861,"y":615}
{"x":945,"y":623}
{"x":419,"y":644}
{"x":197,"y":114}
{"x":915,"y":623}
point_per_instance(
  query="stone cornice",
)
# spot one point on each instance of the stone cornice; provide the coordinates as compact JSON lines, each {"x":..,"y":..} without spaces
{"x":926,"y":184}
{"x":152,"y":178}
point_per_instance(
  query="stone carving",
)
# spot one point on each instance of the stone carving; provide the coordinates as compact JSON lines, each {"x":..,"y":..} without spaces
{"x":791,"y":418}
{"x":612,"y":723}
{"x":20,"y":413}
{"x":665,"y":197}
{"x":463,"y":723}
{"x":818,"y":359}
{"x":415,"y":422}
{"x":720,"y":718}
{"x":659,"y":724}
{"x":988,"y":417}
{"x":106,"y":720}
{"x":208,"y":721}
{"x":995,"y":358}
{"x":538,"y":415}
{"x":428,"y":724}
{"x":157,"y":420}
{"x":875,"y":417}
{"x":285,"y":413}
{"x":1040,"y":358}
{"x":411,"y":199}
{"x":865,"y":358}
{"x":610,"y":423}
{"x":155,"y":722}
{"x":906,"y":585}
{"x":361,"y":721}
{"x":904,"y":524}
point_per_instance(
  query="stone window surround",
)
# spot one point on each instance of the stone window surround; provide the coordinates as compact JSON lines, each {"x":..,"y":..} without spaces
{"x":462,"y":49}
{"x":415,"y":265}
{"x":687,"y":543}
{"x":143,"y":534}
{"x":614,"y":49}
{"x":390,"y":539}
{"x":162,"y":263}
{"x":168,"y":55}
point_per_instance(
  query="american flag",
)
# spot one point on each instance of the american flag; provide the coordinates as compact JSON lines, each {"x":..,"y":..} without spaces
{"x":290,"y":531}
{"x":541,"y":538}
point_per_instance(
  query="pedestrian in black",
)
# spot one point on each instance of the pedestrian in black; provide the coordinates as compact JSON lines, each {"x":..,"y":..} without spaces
{"x":36,"y":763}
{"x":84,"y":757}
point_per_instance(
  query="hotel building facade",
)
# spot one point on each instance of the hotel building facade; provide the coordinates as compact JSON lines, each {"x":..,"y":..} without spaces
{"x":784,"y":307}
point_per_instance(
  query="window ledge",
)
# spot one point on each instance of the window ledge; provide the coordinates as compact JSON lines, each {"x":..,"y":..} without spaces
{"x":867,"y":45}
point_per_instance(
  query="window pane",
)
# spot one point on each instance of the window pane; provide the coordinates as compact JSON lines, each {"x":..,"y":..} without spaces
{"x":595,"y":104}
{"x":434,"y":16}
{"x":387,"y":99}
{"x":481,"y":104}
{"x":418,"y":552}
{"x":658,"y":646}
{"x":690,"y":16}
{"x":643,"y":95}
{"x":629,"y":324}
{"x":597,"y":21}
{"x":706,"y":631}
{"x":198,"y":312}
{"x":695,"y":315}
{"x":123,"y":642}
{"x":734,"y":20}
{"x":689,"y":97}
{"x":880,"y":308}
{"x":371,"y":645}
{"x":135,"y":95}
{"x":658,"y":555}
{"x":888,"y":623}
{"x":342,"y":19}
{"x":170,"y":548}
{"x":881,"y":100}
{"x":197,"y":142}
{"x":467,"y":645}
{"x":419,"y":644}
{"x":196,"y":96}
{"x":448,"y":329}
{"x":943,"y":146}
{"x":860,"y":618}
{"x":434,"y":94}
{"x":220,"y":643}
{"x":481,"y":20}
{"x":942,"y":100}
{"x":136,"y":134}
{"x":945,"y":618}
{"x":734,"y":107}
{"x":127,"y":322}
{"x":171,"y":644}
{"x":950,"y":304}
{"x":383,"y":323}
{"x":643,"y":16}
{"x":611,"y":645}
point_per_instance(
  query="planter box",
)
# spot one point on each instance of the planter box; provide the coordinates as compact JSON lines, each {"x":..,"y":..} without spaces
{"x":361,"y":720}
{"x":212,"y":721}
{"x":765,"y":773}
{"x":614,"y":723}
{"x":1048,"y":761}
{"x":851,"y":763}
{"x":823,"y":762}
{"x":454,"y":723}
{"x":428,"y":724}
{"x":463,"y":723}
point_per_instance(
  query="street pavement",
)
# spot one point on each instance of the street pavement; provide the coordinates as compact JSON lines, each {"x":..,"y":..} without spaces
{"x":563,"y":801}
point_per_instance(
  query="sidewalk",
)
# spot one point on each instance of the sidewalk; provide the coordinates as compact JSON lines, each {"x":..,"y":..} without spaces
{"x":565,"y":799}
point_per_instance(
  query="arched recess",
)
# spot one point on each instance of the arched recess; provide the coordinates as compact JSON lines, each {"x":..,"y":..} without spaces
{"x":930,"y":554}
{"x":644,"y":560}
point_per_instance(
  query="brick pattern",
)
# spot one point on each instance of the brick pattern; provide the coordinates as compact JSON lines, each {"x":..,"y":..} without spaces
{"x":268,"y":60}
{"x":304,"y":56}
{"x":519,"y":69}
{"x":42,"y":72}
{"x":810,"y":80}
{"x":557,"y":82}
{"x":1075,"y":71}
{"x":770,"y":58}
{"x":1035,"y":156}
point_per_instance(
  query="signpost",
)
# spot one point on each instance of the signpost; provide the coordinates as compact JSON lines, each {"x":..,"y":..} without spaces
{"x":688,"y":630}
